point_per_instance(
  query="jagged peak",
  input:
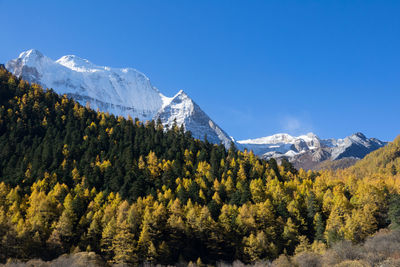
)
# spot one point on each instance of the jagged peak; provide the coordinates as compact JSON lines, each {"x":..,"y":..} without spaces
{"x":33,"y":57}
{"x":181,"y":94}
{"x":30,"y":58}
{"x":360,"y":135}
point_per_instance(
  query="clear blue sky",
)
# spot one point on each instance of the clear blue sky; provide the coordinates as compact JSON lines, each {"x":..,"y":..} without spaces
{"x":256,"y":67}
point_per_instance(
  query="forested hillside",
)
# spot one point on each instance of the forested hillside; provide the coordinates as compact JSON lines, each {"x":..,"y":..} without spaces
{"x":381,"y":162}
{"x":73,"y":179}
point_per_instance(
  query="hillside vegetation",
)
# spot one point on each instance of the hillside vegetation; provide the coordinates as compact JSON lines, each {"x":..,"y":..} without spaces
{"x":384,"y":162}
{"x":72,"y":179}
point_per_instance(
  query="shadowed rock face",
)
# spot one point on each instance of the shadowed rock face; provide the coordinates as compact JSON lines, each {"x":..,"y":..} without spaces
{"x":28,"y":73}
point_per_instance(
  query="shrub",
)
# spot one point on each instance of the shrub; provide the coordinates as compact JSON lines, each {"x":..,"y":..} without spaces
{"x":308,"y":259}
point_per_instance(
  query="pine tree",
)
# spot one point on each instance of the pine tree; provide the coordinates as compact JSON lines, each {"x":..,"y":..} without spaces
{"x":123,"y":244}
{"x":319,"y":227}
{"x":107,"y":237}
{"x":290,"y":235}
{"x":63,"y":235}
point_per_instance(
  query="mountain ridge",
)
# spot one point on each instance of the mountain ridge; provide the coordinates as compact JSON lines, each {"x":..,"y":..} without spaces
{"x":129,"y":92}
{"x":307,"y":151}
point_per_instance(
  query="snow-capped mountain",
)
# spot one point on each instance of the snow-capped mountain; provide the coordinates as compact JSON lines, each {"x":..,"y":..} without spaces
{"x":119,"y":91}
{"x":281,"y":144}
{"x":182,"y":109}
{"x":356,"y":145}
{"x":308,"y":150}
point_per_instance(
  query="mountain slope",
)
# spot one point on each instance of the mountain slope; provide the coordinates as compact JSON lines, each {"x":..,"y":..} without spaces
{"x":124,"y":91}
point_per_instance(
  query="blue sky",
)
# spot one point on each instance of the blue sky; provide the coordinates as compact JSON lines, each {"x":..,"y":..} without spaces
{"x":256,"y":67}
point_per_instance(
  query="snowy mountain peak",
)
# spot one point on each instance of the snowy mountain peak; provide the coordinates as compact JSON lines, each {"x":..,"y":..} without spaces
{"x":32,"y":53}
{"x":182,"y":95}
{"x":32,"y":57}
{"x":119,"y":91}
{"x":182,"y":109}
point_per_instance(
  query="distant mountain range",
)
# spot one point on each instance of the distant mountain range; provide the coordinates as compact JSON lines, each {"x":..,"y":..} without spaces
{"x":128,"y":92}
{"x":308,"y":151}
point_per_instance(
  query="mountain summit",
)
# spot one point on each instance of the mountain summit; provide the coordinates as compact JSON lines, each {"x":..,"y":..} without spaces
{"x":119,"y":91}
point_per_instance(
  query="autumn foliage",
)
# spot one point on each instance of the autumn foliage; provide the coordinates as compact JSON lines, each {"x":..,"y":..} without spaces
{"x":77,"y":180}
